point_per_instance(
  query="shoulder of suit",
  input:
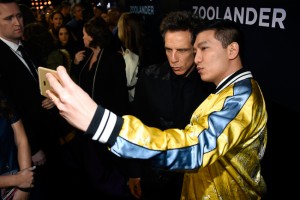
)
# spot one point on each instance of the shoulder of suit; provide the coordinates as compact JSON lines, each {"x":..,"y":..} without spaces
{"x":157,"y":70}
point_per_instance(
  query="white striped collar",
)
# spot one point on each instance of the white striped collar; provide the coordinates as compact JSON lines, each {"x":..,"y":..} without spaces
{"x":235,"y":77}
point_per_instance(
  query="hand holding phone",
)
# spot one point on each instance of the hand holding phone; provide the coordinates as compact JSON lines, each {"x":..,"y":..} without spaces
{"x":43,"y":81}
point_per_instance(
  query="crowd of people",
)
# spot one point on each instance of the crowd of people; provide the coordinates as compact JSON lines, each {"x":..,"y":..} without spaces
{"x":192,"y":125}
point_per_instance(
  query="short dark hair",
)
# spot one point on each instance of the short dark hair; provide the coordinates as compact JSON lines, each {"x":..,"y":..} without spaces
{"x":226,"y":31}
{"x":180,"y":21}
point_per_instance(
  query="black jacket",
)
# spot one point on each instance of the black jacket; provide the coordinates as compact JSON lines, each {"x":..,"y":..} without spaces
{"x":106,"y":81}
{"x":17,"y":82}
{"x":166,"y":100}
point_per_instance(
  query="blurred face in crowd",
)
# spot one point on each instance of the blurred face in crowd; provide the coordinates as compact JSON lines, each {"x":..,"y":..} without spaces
{"x":11,"y":22}
{"x":57,"y":20}
{"x":97,"y":11}
{"x":179,"y":51}
{"x":78,"y":13}
{"x":63,"y":35}
{"x":105,"y":17}
{"x":66,"y":10}
{"x":48,"y":12}
{"x":86,"y":38}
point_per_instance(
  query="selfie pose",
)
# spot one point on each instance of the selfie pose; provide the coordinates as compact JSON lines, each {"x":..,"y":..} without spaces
{"x":220,"y":149}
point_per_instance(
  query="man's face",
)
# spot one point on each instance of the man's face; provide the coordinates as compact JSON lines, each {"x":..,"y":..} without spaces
{"x":11,"y":22}
{"x":66,"y":10}
{"x":213,"y":63}
{"x":78,"y":13}
{"x":97,"y":12}
{"x":179,"y":51}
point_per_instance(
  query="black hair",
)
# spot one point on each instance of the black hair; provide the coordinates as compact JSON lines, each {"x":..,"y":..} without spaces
{"x":98,"y":29}
{"x":180,"y":21}
{"x":226,"y":31}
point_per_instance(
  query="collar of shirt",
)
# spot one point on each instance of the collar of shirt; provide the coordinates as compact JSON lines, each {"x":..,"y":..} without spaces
{"x":12,"y":45}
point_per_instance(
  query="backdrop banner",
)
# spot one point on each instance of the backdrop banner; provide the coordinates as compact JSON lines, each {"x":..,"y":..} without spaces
{"x":272,"y":32}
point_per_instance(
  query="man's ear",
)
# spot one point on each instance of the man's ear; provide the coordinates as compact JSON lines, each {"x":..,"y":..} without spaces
{"x":233,"y":50}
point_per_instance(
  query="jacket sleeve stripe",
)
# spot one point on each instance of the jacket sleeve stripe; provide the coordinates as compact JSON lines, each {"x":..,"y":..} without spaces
{"x":101,"y":126}
{"x":106,"y":126}
{"x":112,"y":119}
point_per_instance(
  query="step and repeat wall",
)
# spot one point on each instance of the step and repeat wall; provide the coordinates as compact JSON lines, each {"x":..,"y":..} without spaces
{"x":272,"y":32}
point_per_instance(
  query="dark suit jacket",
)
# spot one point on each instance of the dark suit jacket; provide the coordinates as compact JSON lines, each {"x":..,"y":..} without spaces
{"x":165,"y":100}
{"x":17,"y":82}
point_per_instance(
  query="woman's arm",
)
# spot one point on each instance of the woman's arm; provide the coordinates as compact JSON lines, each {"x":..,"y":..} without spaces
{"x":24,"y":178}
{"x":24,"y":154}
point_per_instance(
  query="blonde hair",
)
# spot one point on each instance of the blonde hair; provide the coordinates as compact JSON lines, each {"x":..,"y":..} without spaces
{"x":131,"y":31}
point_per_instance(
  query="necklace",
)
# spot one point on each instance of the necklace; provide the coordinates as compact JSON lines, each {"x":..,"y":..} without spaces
{"x":97,"y":66}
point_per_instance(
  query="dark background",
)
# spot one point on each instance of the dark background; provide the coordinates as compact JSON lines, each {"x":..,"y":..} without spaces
{"x":272,"y":54}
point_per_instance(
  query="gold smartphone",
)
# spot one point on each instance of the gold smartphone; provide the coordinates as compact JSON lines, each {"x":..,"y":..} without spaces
{"x":43,"y":81}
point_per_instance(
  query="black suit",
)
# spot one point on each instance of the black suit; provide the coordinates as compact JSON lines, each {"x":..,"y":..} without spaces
{"x":165,"y":100}
{"x":17,"y":82}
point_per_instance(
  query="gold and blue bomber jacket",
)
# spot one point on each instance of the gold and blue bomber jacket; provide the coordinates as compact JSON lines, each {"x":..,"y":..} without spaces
{"x":219,"y":150}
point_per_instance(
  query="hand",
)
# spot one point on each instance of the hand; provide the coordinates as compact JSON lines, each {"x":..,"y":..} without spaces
{"x":134,"y":185}
{"x":39,"y":158}
{"x":47,"y":104}
{"x":26,"y":178}
{"x":73,"y":103}
{"x":79,"y":56}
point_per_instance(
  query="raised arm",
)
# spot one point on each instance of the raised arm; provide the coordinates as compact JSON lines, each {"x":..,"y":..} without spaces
{"x":74,"y":104}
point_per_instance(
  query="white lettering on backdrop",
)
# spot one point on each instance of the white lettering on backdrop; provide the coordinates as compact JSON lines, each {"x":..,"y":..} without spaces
{"x":146,"y":10}
{"x":265,"y":17}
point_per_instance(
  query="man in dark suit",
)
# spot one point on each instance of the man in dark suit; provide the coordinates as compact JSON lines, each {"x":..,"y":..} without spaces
{"x":18,"y":79}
